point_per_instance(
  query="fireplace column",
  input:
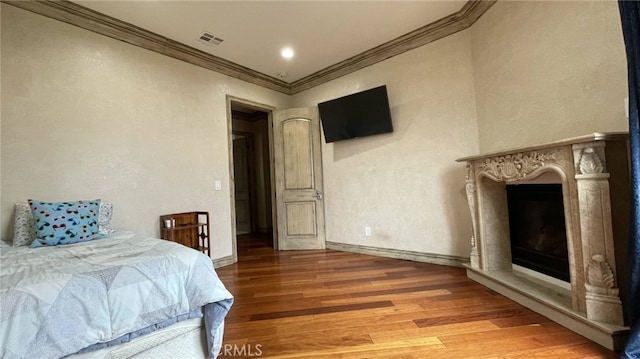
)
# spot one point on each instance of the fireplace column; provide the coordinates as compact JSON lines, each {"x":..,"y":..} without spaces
{"x":472,"y":200}
{"x":602,"y":298}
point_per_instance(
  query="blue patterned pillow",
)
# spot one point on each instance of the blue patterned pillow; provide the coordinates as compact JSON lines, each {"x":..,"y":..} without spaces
{"x":65,"y":222}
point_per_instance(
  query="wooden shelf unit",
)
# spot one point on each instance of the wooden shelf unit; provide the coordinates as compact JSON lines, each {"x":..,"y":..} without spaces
{"x":190,"y":229}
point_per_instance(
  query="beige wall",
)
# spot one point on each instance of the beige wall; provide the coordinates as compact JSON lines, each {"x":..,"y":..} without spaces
{"x":86,"y":116}
{"x":406,"y":185}
{"x":548,"y":70}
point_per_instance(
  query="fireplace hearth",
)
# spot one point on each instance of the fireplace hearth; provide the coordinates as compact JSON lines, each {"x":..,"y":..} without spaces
{"x":569,"y":221}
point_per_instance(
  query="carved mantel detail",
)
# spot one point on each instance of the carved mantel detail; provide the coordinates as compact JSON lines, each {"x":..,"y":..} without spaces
{"x":603,"y":302}
{"x":516,"y":166}
{"x":600,"y":277}
{"x":590,"y":162}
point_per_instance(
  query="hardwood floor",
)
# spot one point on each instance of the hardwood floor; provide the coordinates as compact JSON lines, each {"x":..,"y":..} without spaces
{"x":330,"y":304}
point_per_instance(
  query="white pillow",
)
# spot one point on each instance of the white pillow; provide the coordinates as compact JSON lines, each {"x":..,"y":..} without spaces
{"x":24,"y":228}
{"x":104,"y":218}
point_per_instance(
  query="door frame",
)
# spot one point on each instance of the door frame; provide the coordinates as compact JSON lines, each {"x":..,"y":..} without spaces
{"x":274,"y":220}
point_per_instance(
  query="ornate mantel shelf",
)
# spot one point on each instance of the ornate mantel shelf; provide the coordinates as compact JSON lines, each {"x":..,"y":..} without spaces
{"x":594,"y":174}
{"x":596,"y":136}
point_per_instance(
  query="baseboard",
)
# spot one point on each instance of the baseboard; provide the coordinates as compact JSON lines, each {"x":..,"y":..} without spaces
{"x":222,"y":262}
{"x":433,"y":258}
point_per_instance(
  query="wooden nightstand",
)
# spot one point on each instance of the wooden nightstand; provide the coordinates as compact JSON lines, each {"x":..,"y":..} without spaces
{"x":190,"y":229}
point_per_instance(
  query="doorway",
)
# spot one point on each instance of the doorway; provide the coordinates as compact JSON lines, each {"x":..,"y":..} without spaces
{"x":284,"y":174}
{"x":251,"y":172}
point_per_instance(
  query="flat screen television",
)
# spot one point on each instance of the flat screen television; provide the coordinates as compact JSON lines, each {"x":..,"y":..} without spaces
{"x":361,"y":114}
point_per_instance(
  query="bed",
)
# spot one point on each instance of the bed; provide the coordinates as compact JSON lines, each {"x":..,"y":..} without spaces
{"x":125,"y":295}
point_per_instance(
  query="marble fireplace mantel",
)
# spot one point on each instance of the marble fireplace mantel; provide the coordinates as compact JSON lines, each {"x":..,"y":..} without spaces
{"x":594,"y":173}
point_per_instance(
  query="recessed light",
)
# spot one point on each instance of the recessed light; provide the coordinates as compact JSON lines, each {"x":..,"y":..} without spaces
{"x":287,"y":53}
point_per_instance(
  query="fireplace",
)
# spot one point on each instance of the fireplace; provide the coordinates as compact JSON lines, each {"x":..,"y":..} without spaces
{"x":537,"y":229}
{"x":554,"y":201}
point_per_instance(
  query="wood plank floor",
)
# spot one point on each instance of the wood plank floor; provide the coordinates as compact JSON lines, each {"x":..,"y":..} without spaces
{"x":331,"y":304}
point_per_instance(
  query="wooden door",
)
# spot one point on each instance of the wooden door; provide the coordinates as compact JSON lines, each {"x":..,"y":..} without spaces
{"x":298,"y":179}
{"x":241,"y":184}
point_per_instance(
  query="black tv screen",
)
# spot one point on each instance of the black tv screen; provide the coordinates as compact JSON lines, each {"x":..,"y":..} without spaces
{"x":361,"y":114}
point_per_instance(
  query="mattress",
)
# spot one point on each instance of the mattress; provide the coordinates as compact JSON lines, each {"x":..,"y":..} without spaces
{"x":56,"y":301}
{"x":184,"y":339}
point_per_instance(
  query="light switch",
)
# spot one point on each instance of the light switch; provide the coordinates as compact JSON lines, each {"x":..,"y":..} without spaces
{"x":218,"y":185}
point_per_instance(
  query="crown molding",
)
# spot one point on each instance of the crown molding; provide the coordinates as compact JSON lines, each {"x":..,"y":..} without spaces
{"x":74,"y":14}
{"x":78,"y":15}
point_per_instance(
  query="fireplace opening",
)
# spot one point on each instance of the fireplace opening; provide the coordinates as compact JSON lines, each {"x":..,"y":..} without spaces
{"x":537,"y":229}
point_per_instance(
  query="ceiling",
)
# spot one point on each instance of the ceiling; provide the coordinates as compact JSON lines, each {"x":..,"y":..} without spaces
{"x":322,"y":33}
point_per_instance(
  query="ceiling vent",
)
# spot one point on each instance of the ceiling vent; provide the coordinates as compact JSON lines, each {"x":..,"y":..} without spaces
{"x":210,"y":39}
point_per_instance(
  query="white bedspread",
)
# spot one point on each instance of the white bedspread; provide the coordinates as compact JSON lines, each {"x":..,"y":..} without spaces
{"x":55,"y":301}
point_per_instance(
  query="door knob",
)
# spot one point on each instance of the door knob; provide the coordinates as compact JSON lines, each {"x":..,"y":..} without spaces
{"x":318,"y":194}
